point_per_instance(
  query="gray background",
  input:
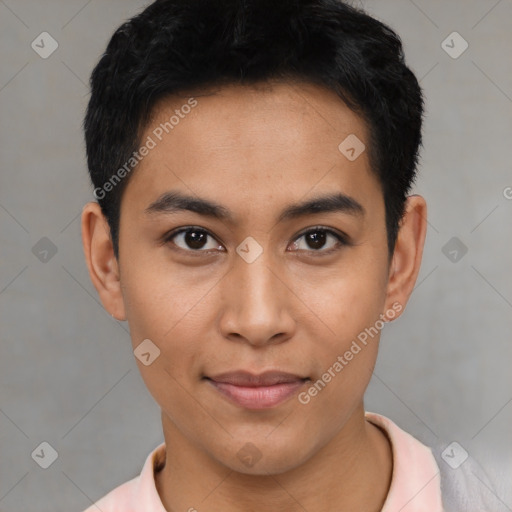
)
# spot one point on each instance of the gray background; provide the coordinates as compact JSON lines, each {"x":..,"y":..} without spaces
{"x":67,"y":372}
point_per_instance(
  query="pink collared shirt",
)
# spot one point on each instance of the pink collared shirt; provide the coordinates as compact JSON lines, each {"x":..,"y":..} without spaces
{"x":415,"y":483}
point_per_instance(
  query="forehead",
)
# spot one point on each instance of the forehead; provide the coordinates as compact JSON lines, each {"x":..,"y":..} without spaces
{"x":250,"y":144}
{"x":243,"y":115}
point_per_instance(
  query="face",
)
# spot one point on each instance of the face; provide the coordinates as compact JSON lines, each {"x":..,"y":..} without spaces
{"x":249,"y":284}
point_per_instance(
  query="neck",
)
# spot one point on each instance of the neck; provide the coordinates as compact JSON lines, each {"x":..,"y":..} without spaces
{"x":351,"y":472}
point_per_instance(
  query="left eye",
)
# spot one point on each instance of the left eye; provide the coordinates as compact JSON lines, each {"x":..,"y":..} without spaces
{"x":316,"y":239}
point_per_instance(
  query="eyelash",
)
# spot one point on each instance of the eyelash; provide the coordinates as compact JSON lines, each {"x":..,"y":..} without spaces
{"x":342,"y":240}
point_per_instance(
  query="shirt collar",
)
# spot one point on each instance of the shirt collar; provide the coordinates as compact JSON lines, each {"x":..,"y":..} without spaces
{"x":415,"y":481}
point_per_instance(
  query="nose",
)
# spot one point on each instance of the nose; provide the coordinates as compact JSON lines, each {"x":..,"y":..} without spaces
{"x":257,"y":303}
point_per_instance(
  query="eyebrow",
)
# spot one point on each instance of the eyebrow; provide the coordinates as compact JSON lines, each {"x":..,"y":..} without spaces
{"x":174,"y":202}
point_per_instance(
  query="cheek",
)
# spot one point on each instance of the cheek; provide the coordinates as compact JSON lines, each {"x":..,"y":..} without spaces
{"x":348,"y":301}
{"x":157,"y":298}
{"x":161,"y":314}
{"x":166,"y":318}
{"x":349,"y":305}
{"x":164,"y":309}
{"x":345,"y":356}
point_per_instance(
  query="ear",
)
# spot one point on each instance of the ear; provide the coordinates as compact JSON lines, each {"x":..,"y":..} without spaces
{"x":406,"y":261}
{"x":101,"y":261}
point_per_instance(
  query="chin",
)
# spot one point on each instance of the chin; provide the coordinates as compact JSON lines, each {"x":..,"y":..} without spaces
{"x":264,"y":468}
{"x":266,"y":458}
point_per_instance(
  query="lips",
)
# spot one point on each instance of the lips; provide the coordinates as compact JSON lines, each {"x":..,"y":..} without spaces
{"x":246,"y":379}
{"x":261,"y":391}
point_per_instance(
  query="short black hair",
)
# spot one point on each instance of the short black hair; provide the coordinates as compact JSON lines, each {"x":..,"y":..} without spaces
{"x":174,"y":46}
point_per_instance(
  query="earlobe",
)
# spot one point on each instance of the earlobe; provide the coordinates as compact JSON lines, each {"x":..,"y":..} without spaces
{"x":101,"y":261}
{"x":408,"y":253}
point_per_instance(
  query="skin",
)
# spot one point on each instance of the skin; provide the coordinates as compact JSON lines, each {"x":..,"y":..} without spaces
{"x":255,"y":150}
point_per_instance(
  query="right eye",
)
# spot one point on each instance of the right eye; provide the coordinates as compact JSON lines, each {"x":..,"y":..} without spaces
{"x":193,"y":240}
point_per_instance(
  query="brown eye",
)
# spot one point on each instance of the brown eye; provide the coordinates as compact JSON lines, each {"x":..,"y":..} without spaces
{"x":319,"y":240}
{"x":193,"y":240}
